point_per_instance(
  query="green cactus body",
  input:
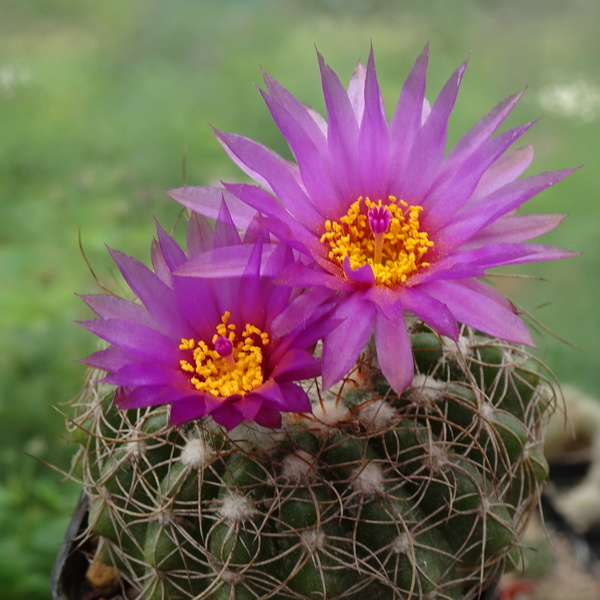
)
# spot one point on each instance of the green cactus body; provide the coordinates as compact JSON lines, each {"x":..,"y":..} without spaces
{"x":419,"y":496}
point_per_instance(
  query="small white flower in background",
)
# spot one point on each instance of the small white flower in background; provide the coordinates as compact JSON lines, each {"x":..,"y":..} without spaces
{"x":11,"y":77}
{"x":577,"y":99}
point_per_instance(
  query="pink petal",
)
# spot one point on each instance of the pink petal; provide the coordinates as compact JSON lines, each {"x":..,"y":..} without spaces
{"x":249,"y":406}
{"x":356,"y":91}
{"x":159,"y":264}
{"x":387,"y":301}
{"x":199,"y":235}
{"x":230,"y":261}
{"x":279,"y":175}
{"x":295,"y":400}
{"x":207,"y":201}
{"x":430,"y":144}
{"x":109,"y":305}
{"x":256,"y":176}
{"x":295,"y":366}
{"x":187,"y":409}
{"x":300,"y":275}
{"x":173,"y":254}
{"x":431,"y":311}
{"x":394,"y":353}
{"x":151,"y":395}
{"x":451,"y":195}
{"x":477,"y":216}
{"x":144,"y":374}
{"x":343,"y":345}
{"x":298,"y":313}
{"x":373,"y":141}
{"x":362,"y":275}
{"x":303,"y":114}
{"x":155,"y":295}
{"x":490,"y":292}
{"x":479,"y":311}
{"x":478,"y":135}
{"x":225,"y":233}
{"x":312,"y":162}
{"x":250,"y":301}
{"x":109,"y":359}
{"x":268,"y":418}
{"x":407,"y":119}
{"x":135,"y":339}
{"x":513,"y":229}
{"x":290,"y":229}
{"x":227,"y":415}
{"x":506,"y":169}
{"x":342,"y":133}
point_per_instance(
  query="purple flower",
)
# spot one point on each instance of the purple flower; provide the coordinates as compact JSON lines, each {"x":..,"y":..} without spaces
{"x":386,"y":220}
{"x":206,"y":346}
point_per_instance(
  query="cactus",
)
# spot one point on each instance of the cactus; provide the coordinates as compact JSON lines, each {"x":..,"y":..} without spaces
{"x":232,"y":462}
{"x":418,"y":495}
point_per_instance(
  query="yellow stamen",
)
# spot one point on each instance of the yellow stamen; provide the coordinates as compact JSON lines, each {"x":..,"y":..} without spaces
{"x":239,"y":373}
{"x":393,"y":255}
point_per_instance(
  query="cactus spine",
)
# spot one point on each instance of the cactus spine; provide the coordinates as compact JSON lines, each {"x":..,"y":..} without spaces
{"x":374,"y":495}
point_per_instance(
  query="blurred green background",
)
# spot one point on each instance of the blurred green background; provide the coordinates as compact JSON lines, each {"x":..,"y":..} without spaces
{"x":97,"y":103}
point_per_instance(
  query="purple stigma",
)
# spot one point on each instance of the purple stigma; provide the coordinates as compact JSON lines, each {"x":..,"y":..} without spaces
{"x":379,"y":219}
{"x":223,"y":346}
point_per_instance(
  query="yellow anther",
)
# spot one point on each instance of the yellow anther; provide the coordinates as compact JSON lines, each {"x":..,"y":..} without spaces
{"x":186,"y":344}
{"x":185,"y":365}
{"x":393,"y":255}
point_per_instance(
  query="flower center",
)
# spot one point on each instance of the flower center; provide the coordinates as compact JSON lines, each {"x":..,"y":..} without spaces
{"x":232,"y":366}
{"x":385,"y":236}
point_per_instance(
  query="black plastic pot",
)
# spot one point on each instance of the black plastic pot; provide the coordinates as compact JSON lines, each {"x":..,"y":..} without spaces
{"x":67,"y":580}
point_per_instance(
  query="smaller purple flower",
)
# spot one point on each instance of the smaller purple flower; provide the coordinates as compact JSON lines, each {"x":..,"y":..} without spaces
{"x":205,"y":345}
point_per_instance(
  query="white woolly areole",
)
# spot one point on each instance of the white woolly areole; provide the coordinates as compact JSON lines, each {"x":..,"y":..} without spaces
{"x":376,"y":415}
{"x":136,"y":448}
{"x":437,"y":458}
{"x":327,"y":415}
{"x":237,"y":507}
{"x":229,"y":576}
{"x":486,"y":506}
{"x":487,"y":411}
{"x":424,"y":387}
{"x":368,"y":479}
{"x":197,"y":453}
{"x":251,"y":436}
{"x":299,"y":467}
{"x":456,"y":349}
{"x":355,"y":381}
{"x":313,"y":538}
{"x":165,"y":517}
{"x":401,"y":545}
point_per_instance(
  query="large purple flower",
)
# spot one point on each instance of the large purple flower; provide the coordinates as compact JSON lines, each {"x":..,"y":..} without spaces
{"x":206,"y":346}
{"x":386,"y":221}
